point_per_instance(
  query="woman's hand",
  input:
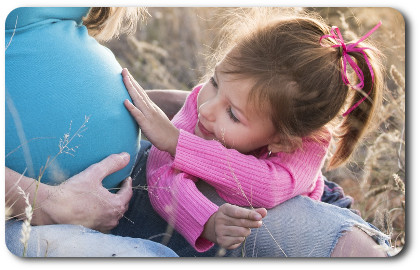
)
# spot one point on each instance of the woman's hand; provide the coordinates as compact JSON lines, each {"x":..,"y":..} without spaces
{"x":231,"y":224}
{"x":84,"y":201}
{"x":152,"y":120}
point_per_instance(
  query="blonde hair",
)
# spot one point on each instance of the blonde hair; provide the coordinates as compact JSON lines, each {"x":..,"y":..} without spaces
{"x":105,"y":23}
{"x":298,"y":80}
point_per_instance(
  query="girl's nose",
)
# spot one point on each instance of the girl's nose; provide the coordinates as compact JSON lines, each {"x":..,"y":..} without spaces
{"x":208,"y":111}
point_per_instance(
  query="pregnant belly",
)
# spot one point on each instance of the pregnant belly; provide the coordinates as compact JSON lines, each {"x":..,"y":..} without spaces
{"x":64,"y":141}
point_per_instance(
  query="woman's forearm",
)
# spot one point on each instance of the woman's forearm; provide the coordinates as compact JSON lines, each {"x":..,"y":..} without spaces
{"x":30,"y":186}
{"x":80,"y":200}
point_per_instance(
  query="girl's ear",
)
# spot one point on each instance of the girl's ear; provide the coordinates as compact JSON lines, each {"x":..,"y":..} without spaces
{"x":287,"y":145}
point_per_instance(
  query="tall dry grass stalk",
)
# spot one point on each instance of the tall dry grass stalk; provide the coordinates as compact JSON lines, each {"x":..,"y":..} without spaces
{"x":26,"y":225}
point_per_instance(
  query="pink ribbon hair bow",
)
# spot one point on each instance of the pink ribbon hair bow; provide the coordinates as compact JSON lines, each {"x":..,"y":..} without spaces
{"x":351,"y":47}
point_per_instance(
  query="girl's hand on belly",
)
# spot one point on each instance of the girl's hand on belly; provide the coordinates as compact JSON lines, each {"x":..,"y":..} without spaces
{"x":152,"y":120}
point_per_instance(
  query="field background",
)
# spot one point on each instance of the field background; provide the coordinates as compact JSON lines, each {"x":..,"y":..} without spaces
{"x":169,"y":52}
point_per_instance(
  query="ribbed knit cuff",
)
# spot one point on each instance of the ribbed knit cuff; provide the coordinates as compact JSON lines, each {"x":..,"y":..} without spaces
{"x":176,"y":198}
{"x":187,"y":155}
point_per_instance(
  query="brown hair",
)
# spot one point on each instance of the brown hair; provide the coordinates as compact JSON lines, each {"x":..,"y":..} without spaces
{"x":300,"y":80}
{"x":104,"y":23}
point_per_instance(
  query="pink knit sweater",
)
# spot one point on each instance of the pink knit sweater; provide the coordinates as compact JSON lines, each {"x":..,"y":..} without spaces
{"x":255,"y":179}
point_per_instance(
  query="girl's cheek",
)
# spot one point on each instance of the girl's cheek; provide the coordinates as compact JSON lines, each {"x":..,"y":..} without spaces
{"x":223,"y":135}
{"x":201,"y":99}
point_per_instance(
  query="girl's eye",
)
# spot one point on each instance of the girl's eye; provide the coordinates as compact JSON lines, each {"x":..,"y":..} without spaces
{"x":231,"y":115}
{"x":213,"y":82}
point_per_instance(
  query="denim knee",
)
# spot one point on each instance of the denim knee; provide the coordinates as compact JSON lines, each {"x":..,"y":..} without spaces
{"x":78,"y":241}
{"x":302,"y":227}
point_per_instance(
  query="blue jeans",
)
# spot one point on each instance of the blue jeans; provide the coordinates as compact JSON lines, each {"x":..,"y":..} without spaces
{"x":299,"y":227}
{"x":78,"y":241}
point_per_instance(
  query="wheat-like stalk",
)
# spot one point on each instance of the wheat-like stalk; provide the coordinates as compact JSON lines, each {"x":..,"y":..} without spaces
{"x":26,"y":225}
{"x":400,"y":184}
{"x":397,"y":77}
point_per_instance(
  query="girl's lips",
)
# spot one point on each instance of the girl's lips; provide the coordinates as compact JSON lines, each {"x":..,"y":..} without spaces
{"x":203,"y":129}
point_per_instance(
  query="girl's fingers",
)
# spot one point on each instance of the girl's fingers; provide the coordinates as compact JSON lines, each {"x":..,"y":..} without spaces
{"x":240,"y":212}
{"x":245,"y":223}
{"x":136,"y":92}
{"x":125,"y":72}
{"x":229,"y":242}
{"x":134,"y":82}
{"x":262,"y":212}
{"x":134,"y":111}
{"x":140,"y":89}
{"x":235,"y":231}
{"x":136,"y":96}
{"x":234,"y":246}
{"x":132,"y":91}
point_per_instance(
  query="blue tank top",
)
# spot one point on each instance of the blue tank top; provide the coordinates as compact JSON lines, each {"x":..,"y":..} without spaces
{"x":64,"y":97}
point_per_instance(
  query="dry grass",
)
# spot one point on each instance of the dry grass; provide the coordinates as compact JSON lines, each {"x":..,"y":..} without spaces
{"x":26,"y":225}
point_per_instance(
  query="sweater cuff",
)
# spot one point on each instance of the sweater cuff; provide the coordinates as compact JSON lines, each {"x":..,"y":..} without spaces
{"x":194,"y":220}
{"x":186,"y":155}
{"x":181,"y":204}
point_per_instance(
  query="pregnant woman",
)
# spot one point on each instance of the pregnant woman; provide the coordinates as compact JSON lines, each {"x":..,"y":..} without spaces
{"x":70,"y":142}
{"x":63,"y":114}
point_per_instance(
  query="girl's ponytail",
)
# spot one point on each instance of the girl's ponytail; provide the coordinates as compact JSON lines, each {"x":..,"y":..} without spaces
{"x":300,"y":69}
{"x":357,"y":119}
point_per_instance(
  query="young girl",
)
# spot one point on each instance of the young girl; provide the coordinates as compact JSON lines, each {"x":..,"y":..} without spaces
{"x":257,"y":130}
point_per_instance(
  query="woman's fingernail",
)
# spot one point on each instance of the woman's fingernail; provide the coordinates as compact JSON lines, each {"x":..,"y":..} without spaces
{"x":257,"y":216}
{"x":125,"y":156}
